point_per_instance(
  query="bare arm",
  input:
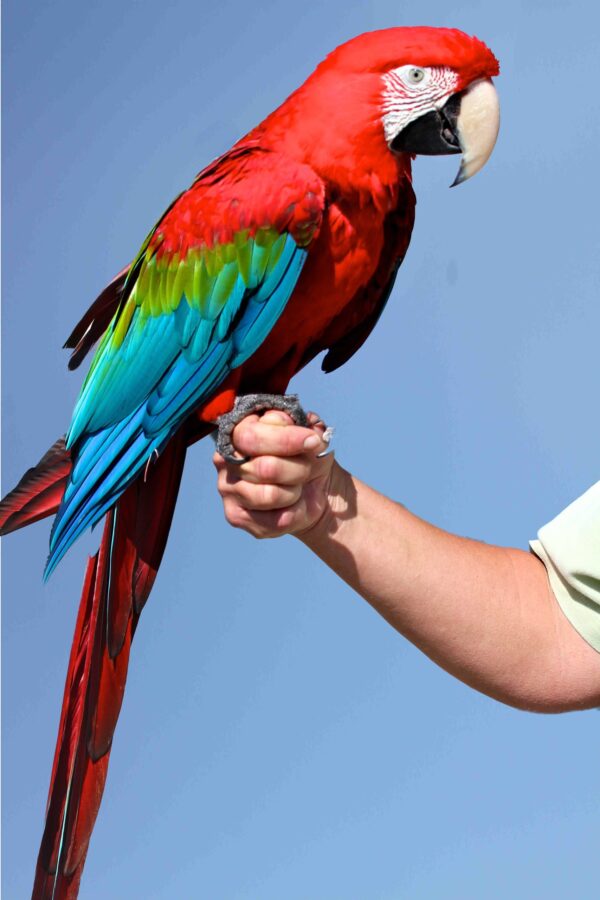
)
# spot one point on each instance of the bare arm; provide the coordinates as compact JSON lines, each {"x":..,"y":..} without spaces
{"x":485,"y":614}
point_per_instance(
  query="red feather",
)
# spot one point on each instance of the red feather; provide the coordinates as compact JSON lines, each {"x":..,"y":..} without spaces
{"x":117,"y":583}
{"x":39,"y":492}
{"x":331,"y":130}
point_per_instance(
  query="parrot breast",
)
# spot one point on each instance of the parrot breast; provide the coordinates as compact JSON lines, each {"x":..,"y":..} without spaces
{"x":347,"y":271}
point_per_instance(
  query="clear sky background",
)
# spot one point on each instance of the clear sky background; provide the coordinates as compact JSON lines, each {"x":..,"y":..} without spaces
{"x":278,"y":739}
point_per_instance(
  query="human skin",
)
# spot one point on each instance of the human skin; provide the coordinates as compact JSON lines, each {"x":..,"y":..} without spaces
{"x":486,"y":614}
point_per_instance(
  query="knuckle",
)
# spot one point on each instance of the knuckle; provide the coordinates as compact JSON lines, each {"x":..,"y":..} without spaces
{"x":249,"y":496}
{"x":289,"y":441}
{"x":227,"y":482}
{"x":233,"y":514}
{"x":269,"y":494}
{"x":286,"y":520}
{"x":265,"y":532}
{"x":295,"y":494}
{"x":267,"y":468}
{"x":244,"y":437}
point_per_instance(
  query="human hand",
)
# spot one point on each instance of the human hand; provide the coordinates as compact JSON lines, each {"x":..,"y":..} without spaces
{"x":284,"y":486}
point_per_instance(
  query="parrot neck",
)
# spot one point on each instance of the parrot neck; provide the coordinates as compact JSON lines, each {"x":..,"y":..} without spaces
{"x":340,"y":136}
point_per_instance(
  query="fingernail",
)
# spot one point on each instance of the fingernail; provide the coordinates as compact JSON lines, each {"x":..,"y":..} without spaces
{"x":312,"y":442}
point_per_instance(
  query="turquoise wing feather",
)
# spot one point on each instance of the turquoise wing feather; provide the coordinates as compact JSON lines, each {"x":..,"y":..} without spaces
{"x":189,"y":316}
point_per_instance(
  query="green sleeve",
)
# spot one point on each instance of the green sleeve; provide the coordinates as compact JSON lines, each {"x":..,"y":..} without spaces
{"x":569,"y":547}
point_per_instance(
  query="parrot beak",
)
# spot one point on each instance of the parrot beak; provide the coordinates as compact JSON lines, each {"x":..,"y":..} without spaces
{"x":477,"y":127}
{"x":467,"y":123}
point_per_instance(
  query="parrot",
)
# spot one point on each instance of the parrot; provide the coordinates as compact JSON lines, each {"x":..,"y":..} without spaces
{"x":285,"y":247}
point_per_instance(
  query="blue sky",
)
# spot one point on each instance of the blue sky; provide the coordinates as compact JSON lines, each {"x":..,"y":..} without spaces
{"x":278,"y":739}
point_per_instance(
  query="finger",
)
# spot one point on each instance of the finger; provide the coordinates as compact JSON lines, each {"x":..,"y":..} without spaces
{"x":275,"y":469}
{"x":262,"y":524}
{"x":285,"y":470}
{"x":278,"y":470}
{"x":259,"y":496}
{"x":259,"y":438}
{"x":268,"y":469}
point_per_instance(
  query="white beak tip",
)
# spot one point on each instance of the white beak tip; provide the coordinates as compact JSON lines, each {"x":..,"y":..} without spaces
{"x":478,"y":125}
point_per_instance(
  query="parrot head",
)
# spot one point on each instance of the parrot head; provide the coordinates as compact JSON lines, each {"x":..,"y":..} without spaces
{"x":442,"y":99}
{"x":397,"y":93}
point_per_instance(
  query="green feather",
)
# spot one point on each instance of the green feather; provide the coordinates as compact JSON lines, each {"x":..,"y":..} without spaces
{"x":243,"y":246}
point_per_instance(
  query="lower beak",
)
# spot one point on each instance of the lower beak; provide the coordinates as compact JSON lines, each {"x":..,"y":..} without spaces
{"x":468,"y":123}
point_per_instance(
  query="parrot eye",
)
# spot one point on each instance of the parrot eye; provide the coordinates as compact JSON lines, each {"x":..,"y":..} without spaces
{"x":415,"y":76}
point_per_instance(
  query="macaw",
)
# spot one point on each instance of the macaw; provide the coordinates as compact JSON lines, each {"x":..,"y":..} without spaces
{"x":286,"y":246}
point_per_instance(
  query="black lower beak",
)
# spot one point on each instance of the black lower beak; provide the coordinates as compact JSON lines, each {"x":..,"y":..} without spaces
{"x":433,"y":134}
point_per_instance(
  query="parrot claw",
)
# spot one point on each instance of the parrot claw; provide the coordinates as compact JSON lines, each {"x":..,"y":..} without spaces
{"x":246,"y":405}
{"x":326,"y":438}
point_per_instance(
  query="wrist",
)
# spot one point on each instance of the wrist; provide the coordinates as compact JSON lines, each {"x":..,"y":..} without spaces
{"x":339,"y":507}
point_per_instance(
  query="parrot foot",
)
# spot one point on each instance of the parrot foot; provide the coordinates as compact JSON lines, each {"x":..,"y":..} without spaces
{"x":245,"y":406}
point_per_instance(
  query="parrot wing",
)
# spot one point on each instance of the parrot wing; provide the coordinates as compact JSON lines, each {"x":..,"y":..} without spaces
{"x":372,"y":299}
{"x":207,"y":287}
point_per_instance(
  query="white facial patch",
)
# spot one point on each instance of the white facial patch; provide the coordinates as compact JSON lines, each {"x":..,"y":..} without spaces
{"x":412,"y":91}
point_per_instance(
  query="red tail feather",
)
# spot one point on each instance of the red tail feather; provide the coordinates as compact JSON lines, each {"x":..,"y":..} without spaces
{"x":39,"y":492}
{"x":117,"y":583}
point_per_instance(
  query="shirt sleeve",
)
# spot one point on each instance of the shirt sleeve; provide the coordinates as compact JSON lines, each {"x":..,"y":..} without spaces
{"x":569,"y":547}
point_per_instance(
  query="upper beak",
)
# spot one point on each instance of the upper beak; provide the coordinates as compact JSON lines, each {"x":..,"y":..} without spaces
{"x":468,"y":123}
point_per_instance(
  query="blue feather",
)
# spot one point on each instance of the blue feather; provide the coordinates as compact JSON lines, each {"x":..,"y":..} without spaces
{"x":138,"y":393}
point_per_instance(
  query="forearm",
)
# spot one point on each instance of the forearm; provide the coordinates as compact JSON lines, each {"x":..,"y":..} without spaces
{"x":486,"y":614}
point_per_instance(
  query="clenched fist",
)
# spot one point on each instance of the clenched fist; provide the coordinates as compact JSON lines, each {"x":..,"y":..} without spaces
{"x":285,"y":486}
